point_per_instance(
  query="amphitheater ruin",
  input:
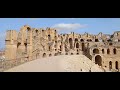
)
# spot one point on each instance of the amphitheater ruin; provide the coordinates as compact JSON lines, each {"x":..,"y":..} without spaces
{"x":31,"y":43}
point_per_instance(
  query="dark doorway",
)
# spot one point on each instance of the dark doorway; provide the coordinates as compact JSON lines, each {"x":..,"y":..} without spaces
{"x":77,"y":45}
{"x":44,"y":54}
{"x":116,"y":64}
{"x":83,"y":46}
{"x":114,"y":51}
{"x":108,"y":51}
{"x":98,"y":60}
{"x":70,"y":42}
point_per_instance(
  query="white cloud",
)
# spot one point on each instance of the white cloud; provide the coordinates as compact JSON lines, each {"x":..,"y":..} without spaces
{"x":73,"y":26}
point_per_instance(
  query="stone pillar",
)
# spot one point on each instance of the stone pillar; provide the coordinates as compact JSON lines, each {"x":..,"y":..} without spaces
{"x":29,"y":44}
{"x":11,"y":44}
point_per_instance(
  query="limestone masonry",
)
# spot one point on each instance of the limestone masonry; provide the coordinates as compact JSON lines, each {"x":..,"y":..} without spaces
{"x":33,"y":43}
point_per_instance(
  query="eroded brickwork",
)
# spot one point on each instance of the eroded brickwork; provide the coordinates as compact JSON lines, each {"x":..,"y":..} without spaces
{"x":33,"y":43}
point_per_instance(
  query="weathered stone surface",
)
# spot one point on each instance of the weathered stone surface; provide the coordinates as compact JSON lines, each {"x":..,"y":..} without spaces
{"x":102,"y":49}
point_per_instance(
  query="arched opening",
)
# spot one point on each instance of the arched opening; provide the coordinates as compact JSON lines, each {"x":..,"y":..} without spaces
{"x":60,"y":48}
{"x":83,"y":46}
{"x":66,"y":53}
{"x":70,"y":42}
{"x":36,"y":32}
{"x":71,"y":53}
{"x":114,"y":51}
{"x":18,"y":44}
{"x":108,"y":51}
{"x":103,"y":51}
{"x":89,"y":40}
{"x":116,"y":64}
{"x":77,"y":45}
{"x":110,"y":65}
{"x":110,"y":44}
{"x":50,"y":55}
{"x":76,"y":40}
{"x":44,"y":54}
{"x":82,"y":40}
{"x":96,"y":40}
{"x":55,"y":54}
{"x":49,"y":37}
{"x":96,"y":51}
{"x":49,"y":48}
{"x":98,"y":60}
{"x":25,"y":47}
{"x":77,"y":53}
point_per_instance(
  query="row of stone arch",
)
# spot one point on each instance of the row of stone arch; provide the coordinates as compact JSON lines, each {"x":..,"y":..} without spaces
{"x":82,"y":40}
{"x":45,"y":55}
{"x":96,"y":51}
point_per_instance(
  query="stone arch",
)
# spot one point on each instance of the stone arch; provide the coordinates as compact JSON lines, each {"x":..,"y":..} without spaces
{"x":83,"y":46}
{"x":49,"y":48}
{"x":60,"y":48}
{"x":114,"y":50}
{"x":89,"y":40}
{"x":18,"y":44}
{"x":44,"y":55}
{"x":70,"y":42}
{"x":103,"y":51}
{"x":108,"y":51}
{"x":25,"y":47}
{"x":110,"y":65}
{"x":77,"y":53}
{"x":77,"y":45}
{"x":71,"y":53}
{"x":55,"y":54}
{"x":66,"y":53}
{"x":110,"y":44}
{"x":116,"y":65}
{"x":96,"y":40}
{"x":50,"y":55}
{"x":82,"y":40}
{"x":76,"y":40}
{"x":98,"y":60}
{"x":36,"y":32}
{"x":49,"y":37}
{"x":95,"y":51}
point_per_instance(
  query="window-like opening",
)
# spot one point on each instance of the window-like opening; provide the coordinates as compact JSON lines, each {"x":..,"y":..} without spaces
{"x":76,"y":40}
{"x":116,"y":64}
{"x":96,"y":51}
{"x":66,"y":53}
{"x":81,"y":40}
{"x":96,"y":40}
{"x":108,"y":51}
{"x":77,"y":45}
{"x":103,"y":51}
{"x":50,"y":55}
{"x":49,"y":37}
{"x":70,"y":42}
{"x":114,"y":51}
{"x":83,"y":46}
{"x":110,"y":65}
{"x":44,"y":54}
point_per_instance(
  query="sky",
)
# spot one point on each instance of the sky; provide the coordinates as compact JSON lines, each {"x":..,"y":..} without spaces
{"x":63,"y":25}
